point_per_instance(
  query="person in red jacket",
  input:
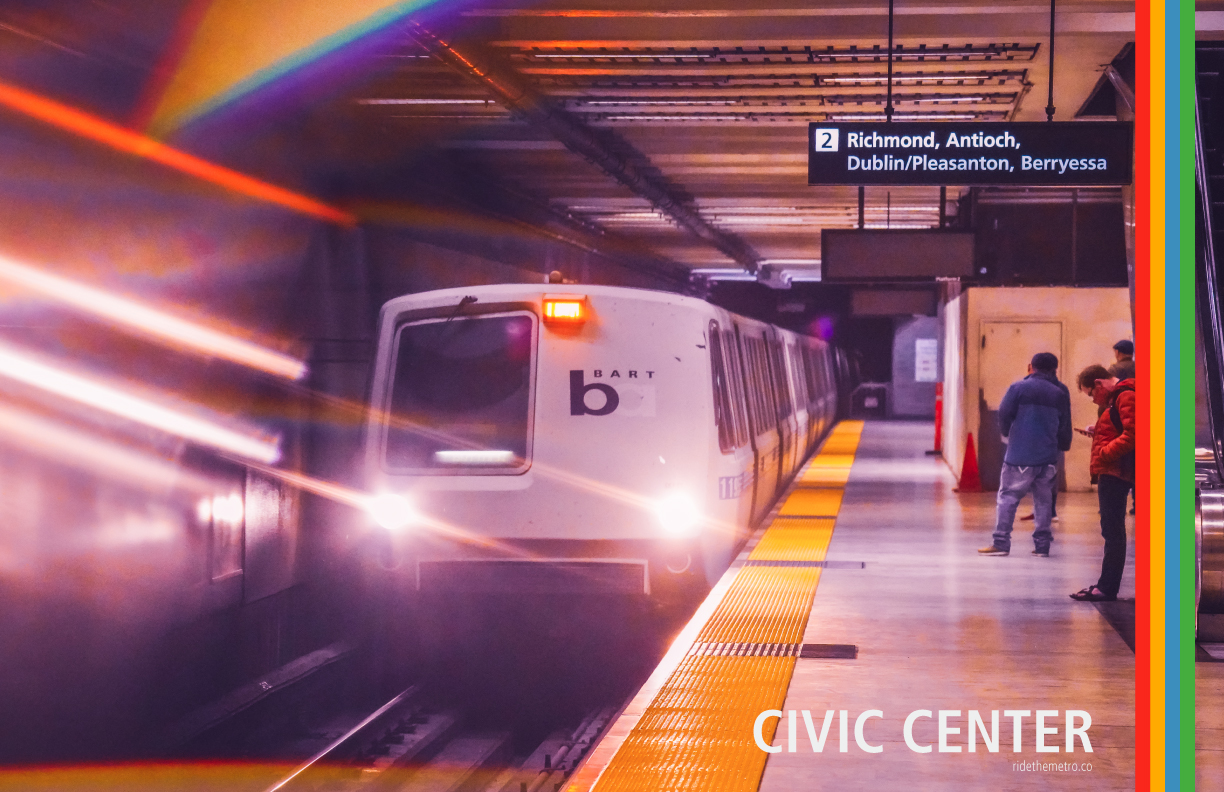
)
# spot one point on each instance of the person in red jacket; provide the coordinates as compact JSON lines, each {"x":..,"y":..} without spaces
{"x":1113,"y":463}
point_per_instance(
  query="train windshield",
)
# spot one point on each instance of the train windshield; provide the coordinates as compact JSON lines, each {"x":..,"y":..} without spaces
{"x":461,"y":395}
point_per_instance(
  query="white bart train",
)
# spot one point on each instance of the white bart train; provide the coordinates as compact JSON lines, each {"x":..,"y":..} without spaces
{"x":553,"y":437}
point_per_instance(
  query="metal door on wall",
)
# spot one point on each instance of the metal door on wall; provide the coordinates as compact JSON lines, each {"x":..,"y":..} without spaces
{"x":1005,"y":351}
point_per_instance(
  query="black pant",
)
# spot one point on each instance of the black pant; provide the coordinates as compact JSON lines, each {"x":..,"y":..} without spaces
{"x":1111,"y":495}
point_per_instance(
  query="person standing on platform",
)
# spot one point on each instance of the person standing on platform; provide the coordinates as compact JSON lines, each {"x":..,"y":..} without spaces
{"x":1113,"y":463}
{"x":1035,"y":418}
{"x":1053,"y":484}
{"x":1123,"y":367}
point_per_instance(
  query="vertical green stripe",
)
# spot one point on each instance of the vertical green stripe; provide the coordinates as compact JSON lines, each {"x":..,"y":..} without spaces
{"x":1185,"y":373}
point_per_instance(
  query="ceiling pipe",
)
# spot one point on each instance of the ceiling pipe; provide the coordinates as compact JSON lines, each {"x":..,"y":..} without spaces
{"x":516,"y":95}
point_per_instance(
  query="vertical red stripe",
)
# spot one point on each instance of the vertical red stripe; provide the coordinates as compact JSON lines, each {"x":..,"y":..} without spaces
{"x":1143,"y":358}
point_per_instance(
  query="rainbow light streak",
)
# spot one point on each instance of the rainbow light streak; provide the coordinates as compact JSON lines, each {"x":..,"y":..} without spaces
{"x":150,"y":321}
{"x":25,"y":369}
{"x":233,"y":52}
{"x":120,"y":139}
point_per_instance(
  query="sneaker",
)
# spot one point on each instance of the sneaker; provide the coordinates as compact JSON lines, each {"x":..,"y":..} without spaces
{"x":992,"y":550}
{"x":1028,"y":517}
{"x":1043,"y":553}
{"x":1054,"y":518}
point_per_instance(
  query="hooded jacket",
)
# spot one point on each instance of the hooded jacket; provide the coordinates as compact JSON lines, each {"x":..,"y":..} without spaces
{"x":1108,"y":444}
{"x":1035,"y":417}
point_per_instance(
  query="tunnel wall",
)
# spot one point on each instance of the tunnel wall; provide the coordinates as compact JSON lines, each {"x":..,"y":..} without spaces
{"x":124,"y":608}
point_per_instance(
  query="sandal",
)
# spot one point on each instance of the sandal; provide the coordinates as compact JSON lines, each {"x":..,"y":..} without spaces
{"x":1093,"y":594}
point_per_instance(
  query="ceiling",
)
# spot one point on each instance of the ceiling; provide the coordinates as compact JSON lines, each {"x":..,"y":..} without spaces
{"x":674,"y":133}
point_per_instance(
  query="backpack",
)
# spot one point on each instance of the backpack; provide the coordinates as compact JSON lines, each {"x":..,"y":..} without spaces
{"x":1127,"y":461}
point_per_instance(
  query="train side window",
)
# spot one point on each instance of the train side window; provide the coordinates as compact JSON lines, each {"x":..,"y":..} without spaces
{"x":814,"y":374}
{"x":805,"y":357}
{"x":722,"y":398}
{"x":781,"y":392}
{"x":749,"y":384}
{"x":800,"y":376}
{"x":770,"y":386}
{"x":736,"y":379}
{"x":756,"y":387}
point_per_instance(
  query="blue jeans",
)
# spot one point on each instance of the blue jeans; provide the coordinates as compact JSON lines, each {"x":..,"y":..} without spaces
{"x":1014,"y":483}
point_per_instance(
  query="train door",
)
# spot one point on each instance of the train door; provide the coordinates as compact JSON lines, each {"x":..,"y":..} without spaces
{"x":758,"y":395}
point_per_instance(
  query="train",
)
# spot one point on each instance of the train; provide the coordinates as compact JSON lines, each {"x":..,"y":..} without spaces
{"x":560,"y":437}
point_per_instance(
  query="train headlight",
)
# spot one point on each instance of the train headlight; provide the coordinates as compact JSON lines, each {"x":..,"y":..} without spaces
{"x":678,"y":514}
{"x":391,"y":511}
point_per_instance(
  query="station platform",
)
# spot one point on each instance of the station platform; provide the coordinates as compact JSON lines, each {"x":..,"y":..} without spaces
{"x":865,"y":594}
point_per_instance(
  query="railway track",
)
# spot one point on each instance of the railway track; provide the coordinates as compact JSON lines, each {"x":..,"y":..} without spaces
{"x":411,"y":742}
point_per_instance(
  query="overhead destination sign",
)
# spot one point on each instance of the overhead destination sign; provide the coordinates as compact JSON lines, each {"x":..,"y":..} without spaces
{"x":1058,"y":153}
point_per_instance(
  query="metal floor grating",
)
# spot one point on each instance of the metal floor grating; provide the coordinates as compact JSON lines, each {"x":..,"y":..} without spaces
{"x":696,"y":734}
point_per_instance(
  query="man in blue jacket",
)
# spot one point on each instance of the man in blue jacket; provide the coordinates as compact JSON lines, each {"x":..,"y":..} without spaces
{"x":1035,"y":416}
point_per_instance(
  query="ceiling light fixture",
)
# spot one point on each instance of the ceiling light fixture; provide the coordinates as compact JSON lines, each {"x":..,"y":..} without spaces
{"x":906,"y":117}
{"x":424,"y":101}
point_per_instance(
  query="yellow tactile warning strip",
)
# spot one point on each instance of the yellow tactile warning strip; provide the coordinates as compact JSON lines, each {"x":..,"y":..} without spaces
{"x":827,"y":470}
{"x":695,"y":733}
{"x":765,"y":605}
{"x":812,"y":502}
{"x":794,"y":539}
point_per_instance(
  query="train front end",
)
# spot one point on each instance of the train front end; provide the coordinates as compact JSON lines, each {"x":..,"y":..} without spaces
{"x":548,"y":439}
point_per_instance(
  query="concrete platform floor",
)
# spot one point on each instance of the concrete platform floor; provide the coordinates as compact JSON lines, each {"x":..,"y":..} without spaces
{"x":939,"y":627}
{"x":1209,"y":720}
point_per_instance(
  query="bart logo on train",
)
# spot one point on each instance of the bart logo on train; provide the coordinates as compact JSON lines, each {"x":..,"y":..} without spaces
{"x":622,"y":394}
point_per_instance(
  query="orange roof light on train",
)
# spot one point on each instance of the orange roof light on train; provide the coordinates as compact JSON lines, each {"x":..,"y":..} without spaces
{"x":565,"y":308}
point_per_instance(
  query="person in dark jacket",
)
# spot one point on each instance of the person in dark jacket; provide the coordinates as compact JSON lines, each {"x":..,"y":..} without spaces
{"x":1035,"y":417}
{"x":1113,"y":463}
{"x":1053,"y":484}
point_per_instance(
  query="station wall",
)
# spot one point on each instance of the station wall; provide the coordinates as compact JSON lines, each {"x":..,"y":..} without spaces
{"x":989,"y":337}
{"x":912,"y":397}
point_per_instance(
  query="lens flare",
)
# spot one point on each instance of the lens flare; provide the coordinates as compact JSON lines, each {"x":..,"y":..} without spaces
{"x":391,"y":511}
{"x":149,"y":321}
{"x":25,"y":369}
{"x":678,"y":514}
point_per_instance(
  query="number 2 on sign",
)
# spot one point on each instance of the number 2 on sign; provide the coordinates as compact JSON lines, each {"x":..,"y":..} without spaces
{"x":824,"y":140}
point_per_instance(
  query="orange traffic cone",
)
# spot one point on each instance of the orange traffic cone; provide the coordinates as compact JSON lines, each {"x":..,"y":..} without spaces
{"x":970,"y":480}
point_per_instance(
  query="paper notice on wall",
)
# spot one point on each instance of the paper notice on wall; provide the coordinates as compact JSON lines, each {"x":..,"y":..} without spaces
{"x":926,"y":360}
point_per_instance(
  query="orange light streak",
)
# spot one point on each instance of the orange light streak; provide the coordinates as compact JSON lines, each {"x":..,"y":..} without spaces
{"x":363,"y":500}
{"x":120,"y":139}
